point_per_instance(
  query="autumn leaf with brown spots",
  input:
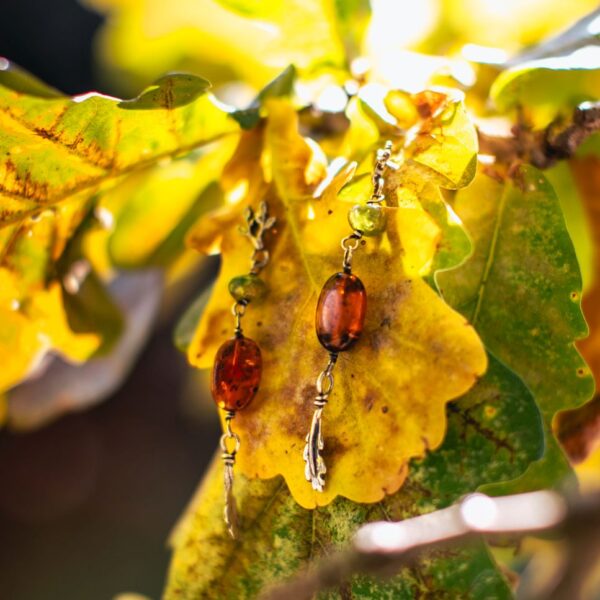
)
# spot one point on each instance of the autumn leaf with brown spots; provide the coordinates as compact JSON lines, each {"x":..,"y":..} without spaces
{"x":415,"y":355}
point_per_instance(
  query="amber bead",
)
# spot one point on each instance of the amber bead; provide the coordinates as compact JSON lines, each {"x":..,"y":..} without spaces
{"x":236,"y":373}
{"x":341,"y":311}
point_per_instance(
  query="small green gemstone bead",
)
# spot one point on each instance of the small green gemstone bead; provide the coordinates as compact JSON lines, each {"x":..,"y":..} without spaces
{"x":247,"y":287}
{"x":369,"y":220}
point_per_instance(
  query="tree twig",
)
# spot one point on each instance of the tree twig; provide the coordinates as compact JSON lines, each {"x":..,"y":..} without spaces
{"x":382,"y":548}
{"x":544,"y":148}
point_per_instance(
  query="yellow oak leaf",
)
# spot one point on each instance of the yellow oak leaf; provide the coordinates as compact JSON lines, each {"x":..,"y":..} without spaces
{"x":391,"y":388}
{"x":32,"y":328}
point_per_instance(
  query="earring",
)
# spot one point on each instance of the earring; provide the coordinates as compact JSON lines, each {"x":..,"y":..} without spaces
{"x":238,"y":363}
{"x":341,"y":310}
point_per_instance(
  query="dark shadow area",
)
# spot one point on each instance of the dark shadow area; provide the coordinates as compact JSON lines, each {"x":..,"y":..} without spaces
{"x":52,"y":39}
{"x":87,"y":503}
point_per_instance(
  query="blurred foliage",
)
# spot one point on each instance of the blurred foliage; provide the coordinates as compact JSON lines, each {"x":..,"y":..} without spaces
{"x":143,"y":40}
{"x":547,"y":86}
{"x":485,"y":261}
{"x":66,"y":165}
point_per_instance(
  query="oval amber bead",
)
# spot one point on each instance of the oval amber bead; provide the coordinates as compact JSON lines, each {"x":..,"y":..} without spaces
{"x":341,"y":311}
{"x":236,"y":373}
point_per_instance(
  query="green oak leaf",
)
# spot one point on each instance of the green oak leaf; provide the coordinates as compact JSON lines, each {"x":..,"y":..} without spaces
{"x":58,"y":149}
{"x":577,"y":221}
{"x":521,"y":290}
{"x":454,"y":246}
{"x":168,"y":92}
{"x":548,"y":85}
{"x":494,"y":432}
{"x":282,"y":85}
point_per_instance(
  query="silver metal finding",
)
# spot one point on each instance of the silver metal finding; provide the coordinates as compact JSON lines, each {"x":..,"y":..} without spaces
{"x":238,"y":310}
{"x":315,"y":468}
{"x":228,"y":456}
{"x":257,"y":224}
{"x":382,"y":162}
{"x":349,"y":244}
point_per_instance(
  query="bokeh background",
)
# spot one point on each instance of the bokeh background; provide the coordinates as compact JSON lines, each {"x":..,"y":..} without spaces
{"x":87,"y":503}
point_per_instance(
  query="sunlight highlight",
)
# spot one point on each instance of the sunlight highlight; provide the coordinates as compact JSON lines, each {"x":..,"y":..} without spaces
{"x":484,"y":54}
{"x":237,"y":193}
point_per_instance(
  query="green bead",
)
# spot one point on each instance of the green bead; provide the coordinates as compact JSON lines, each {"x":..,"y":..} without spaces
{"x":247,"y":287}
{"x":369,"y":220}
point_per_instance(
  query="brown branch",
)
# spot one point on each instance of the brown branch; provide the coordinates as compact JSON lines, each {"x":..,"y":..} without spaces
{"x":382,"y":548}
{"x":544,"y":148}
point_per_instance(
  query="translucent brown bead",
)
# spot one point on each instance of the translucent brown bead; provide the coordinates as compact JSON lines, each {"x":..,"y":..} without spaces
{"x":341,"y":312}
{"x":236,"y":373}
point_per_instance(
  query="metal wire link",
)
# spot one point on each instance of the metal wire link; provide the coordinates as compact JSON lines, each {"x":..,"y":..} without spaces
{"x":326,"y":376}
{"x":377,"y":196}
{"x":229,"y":435}
{"x":238,"y":310}
{"x":260,"y":259}
{"x":349,"y":244}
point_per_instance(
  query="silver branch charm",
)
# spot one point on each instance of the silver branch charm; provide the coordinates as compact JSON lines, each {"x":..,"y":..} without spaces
{"x":257,"y":224}
{"x":230,"y":509}
{"x":228,"y":456}
{"x":315,"y":465}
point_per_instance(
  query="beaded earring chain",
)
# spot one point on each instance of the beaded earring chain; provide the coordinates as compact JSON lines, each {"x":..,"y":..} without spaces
{"x":341,"y":311}
{"x":237,"y":368}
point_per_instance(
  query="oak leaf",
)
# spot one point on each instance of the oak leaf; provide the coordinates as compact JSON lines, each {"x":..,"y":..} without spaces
{"x":416,"y":354}
{"x":523,"y":259}
{"x":61,"y":160}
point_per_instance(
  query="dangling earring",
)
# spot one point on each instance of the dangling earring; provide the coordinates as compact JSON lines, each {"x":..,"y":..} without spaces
{"x":341,"y":310}
{"x":238,"y":363}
